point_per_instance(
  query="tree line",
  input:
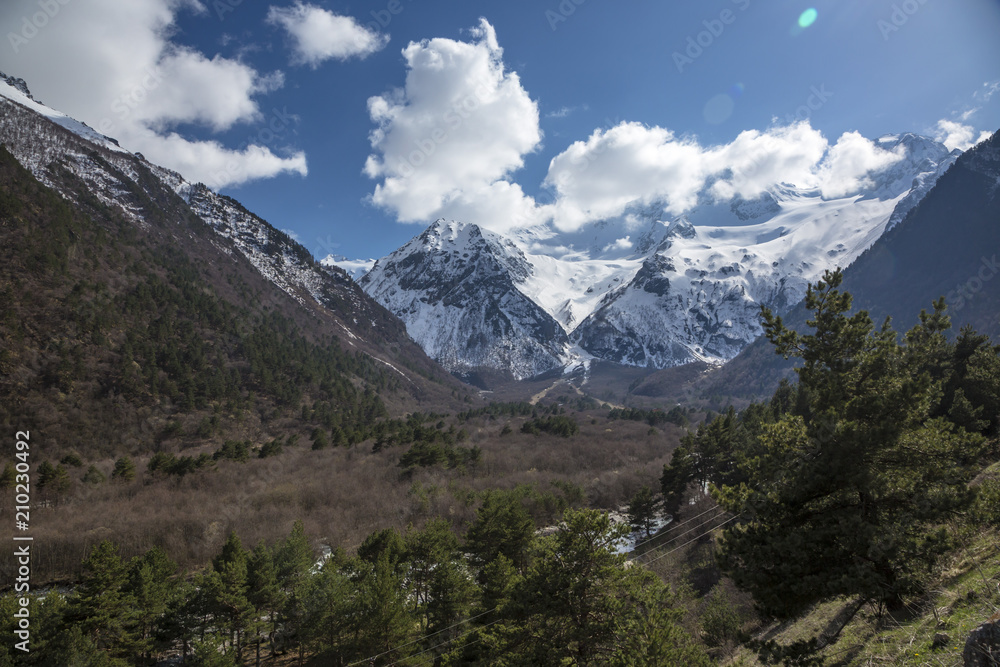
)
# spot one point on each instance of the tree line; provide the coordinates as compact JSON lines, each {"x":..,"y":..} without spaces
{"x":500,"y":594}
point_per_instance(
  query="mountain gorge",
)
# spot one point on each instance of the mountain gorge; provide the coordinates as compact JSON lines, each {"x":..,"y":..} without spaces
{"x":205,"y":384}
{"x":645,"y":290}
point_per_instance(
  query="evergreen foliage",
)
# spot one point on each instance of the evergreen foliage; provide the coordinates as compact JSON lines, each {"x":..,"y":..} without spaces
{"x":845,"y":494}
{"x":560,"y":425}
{"x":642,"y":511}
{"x":124,"y":469}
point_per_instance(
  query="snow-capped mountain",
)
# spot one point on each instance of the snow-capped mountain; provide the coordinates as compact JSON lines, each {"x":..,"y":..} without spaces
{"x":644,"y":289}
{"x":456,"y":288}
{"x":947,"y":246}
{"x":355,"y":268}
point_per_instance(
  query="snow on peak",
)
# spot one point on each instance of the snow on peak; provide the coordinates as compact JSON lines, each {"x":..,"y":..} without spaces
{"x":16,"y":90}
{"x":19,"y":84}
{"x":355,"y":268}
{"x":457,"y":289}
{"x":648,"y":289}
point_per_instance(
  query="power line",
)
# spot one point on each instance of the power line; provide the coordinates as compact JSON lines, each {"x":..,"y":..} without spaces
{"x":424,"y":638}
{"x":682,"y":523}
{"x":709,"y":532}
{"x":445,"y":643}
{"x":677,"y":537}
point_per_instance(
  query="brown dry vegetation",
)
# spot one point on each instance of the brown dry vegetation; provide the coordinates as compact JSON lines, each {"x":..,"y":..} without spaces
{"x":341,"y":494}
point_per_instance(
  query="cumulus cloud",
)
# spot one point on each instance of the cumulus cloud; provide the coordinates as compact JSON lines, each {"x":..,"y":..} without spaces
{"x":129,"y":81}
{"x":850,"y":161}
{"x":446,"y":144}
{"x":213,"y":164}
{"x":319,"y":35}
{"x":756,"y":161}
{"x":631,"y":163}
{"x":600,"y":177}
{"x":954,"y":135}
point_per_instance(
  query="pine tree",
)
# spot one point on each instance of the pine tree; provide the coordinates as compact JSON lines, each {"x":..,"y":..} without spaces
{"x":265,"y":594}
{"x":387,"y":543}
{"x":7,"y":477}
{"x":60,"y":483}
{"x":642,"y":511}
{"x":677,"y":475}
{"x":44,"y":474}
{"x":93,"y":476}
{"x":124,"y":470}
{"x":150,"y":585}
{"x":328,"y":621}
{"x":844,"y":497}
{"x":228,"y":590}
{"x":502,"y":526}
{"x":293,"y":560}
{"x":102,"y":606}
{"x":426,"y":551}
{"x":383,"y":622}
{"x":579,"y":605}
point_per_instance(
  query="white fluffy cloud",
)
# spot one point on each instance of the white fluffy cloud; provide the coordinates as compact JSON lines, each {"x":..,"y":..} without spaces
{"x":128,"y":80}
{"x":212,"y":163}
{"x":957,"y":135}
{"x":849,"y":162}
{"x":600,"y":177}
{"x":632,"y":163}
{"x":319,"y":35}
{"x":447,"y":143}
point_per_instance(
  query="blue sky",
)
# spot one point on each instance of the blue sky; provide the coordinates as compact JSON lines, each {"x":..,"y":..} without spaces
{"x":669,"y":87}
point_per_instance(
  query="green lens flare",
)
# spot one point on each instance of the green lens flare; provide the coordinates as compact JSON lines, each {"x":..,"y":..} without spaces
{"x":808,"y":17}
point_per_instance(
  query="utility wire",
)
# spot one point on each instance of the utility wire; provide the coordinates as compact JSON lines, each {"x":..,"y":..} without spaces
{"x":425,"y":637}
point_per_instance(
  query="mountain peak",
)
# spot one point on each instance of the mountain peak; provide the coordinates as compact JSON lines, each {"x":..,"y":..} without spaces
{"x":455,"y":286}
{"x":450,"y":232}
{"x":19,"y":84}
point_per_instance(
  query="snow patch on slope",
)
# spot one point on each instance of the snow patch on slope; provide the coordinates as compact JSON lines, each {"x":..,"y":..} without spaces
{"x":16,"y":90}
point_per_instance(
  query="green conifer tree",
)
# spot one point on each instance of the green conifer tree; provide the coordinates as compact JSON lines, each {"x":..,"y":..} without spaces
{"x":845,"y":497}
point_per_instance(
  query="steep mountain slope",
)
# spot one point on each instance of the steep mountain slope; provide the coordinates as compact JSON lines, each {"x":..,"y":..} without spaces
{"x":122,"y":181}
{"x":948,"y":245}
{"x":455,"y":286}
{"x":135,"y":302}
{"x":640,"y":290}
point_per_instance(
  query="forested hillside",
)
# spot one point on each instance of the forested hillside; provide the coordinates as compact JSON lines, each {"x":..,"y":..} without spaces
{"x":821,"y":527}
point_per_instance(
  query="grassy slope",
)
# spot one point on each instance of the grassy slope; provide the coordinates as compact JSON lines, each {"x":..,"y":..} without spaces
{"x":962,"y":594}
